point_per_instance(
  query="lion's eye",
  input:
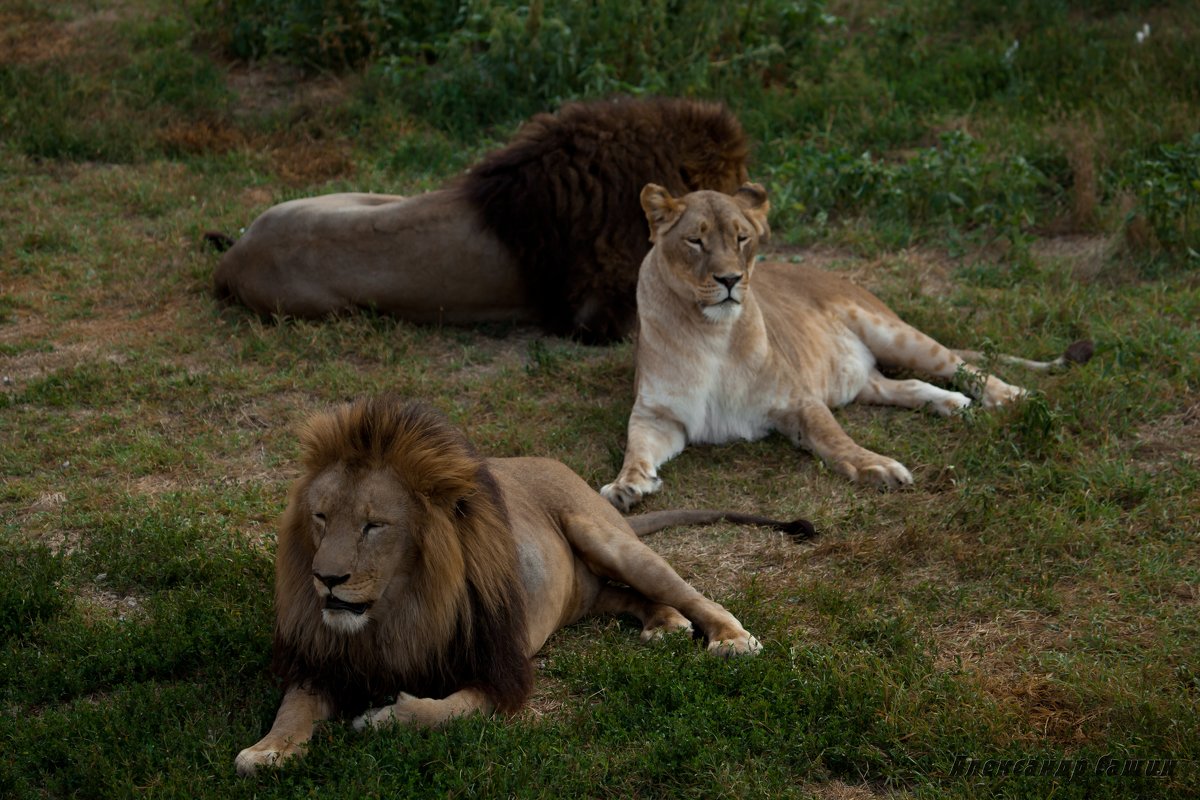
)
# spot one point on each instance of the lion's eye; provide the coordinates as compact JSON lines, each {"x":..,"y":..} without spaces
{"x":371,"y":527}
{"x":319,"y":518}
{"x":696,"y":242}
{"x":742,"y":239}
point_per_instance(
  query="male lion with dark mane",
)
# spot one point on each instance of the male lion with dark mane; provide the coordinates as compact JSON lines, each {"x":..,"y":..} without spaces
{"x":546,"y":229}
{"x":411,"y":569}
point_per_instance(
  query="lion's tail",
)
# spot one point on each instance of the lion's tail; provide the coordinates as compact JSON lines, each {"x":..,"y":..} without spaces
{"x":643,"y":524}
{"x":1077,"y":353}
{"x":219,"y":241}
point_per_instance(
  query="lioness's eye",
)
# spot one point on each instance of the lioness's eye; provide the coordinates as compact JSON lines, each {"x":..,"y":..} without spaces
{"x":742,"y":239}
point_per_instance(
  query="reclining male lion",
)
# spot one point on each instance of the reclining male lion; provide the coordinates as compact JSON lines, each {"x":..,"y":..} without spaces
{"x":546,"y":229}
{"x":410,"y":569}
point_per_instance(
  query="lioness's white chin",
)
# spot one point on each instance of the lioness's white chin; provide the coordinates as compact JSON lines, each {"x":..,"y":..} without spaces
{"x":345,"y":621}
{"x":723,"y":311}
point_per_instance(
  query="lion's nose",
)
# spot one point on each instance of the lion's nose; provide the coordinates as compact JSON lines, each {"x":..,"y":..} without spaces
{"x":331,"y":580}
{"x":728,"y":281}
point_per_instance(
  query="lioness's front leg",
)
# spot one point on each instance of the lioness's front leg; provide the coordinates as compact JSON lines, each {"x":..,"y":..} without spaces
{"x":426,"y":711}
{"x":651,"y":441}
{"x":289,"y":734}
{"x":614,"y":552}
{"x":814,"y":427}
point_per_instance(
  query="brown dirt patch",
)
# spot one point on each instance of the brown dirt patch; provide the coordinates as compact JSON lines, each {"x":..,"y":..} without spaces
{"x":1170,"y":439}
{"x":97,"y":604}
{"x":76,"y":342}
{"x":922,"y":271}
{"x":836,"y":790}
{"x":30,"y":40}
{"x":1084,"y":256}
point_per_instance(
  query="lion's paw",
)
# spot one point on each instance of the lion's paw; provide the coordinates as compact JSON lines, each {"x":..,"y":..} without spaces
{"x":407,"y":709}
{"x":998,"y":393}
{"x":880,"y":471}
{"x":666,"y":620}
{"x":626,"y":494}
{"x":952,"y":403}
{"x":743,"y":645}
{"x":249,"y":760}
{"x":378,"y":717}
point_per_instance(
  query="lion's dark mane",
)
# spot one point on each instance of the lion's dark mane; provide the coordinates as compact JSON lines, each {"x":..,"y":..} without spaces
{"x":563,"y":196}
{"x":482,"y":646}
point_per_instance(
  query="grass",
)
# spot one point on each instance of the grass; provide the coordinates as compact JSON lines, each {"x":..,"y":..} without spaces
{"x":1034,"y":596}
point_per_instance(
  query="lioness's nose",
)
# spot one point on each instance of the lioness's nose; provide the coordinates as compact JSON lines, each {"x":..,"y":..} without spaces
{"x":728,"y":281}
{"x":331,"y":580}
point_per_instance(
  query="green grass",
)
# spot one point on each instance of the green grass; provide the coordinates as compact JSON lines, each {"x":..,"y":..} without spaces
{"x":1033,"y":596}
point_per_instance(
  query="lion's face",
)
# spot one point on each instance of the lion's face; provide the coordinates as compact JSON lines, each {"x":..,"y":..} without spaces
{"x":360,"y":524}
{"x":708,"y":244}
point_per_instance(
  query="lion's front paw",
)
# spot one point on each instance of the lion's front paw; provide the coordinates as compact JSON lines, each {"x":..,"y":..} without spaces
{"x":625,"y":494}
{"x":407,"y":709}
{"x":881,"y":471}
{"x":249,"y":760}
{"x":664,"y":620}
{"x":742,"y":645}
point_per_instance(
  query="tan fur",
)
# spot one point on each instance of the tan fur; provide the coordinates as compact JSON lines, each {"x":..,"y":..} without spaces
{"x":719,"y":361}
{"x":428,"y":259}
{"x":545,"y":229}
{"x":410,"y":567}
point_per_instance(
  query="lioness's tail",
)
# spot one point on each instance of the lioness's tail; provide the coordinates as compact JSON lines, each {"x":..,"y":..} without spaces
{"x":1077,"y":353}
{"x":654,"y":521}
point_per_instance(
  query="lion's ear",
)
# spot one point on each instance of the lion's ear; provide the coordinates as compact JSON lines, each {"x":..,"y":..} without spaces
{"x":752,"y":199}
{"x":662,"y":210}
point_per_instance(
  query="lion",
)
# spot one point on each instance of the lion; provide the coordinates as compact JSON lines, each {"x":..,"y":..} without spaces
{"x":410,"y":568}
{"x":732,"y":349}
{"x":544,"y":230}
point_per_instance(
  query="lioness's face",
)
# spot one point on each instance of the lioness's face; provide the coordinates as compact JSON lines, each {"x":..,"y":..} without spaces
{"x":709,"y":241}
{"x":361,"y":531}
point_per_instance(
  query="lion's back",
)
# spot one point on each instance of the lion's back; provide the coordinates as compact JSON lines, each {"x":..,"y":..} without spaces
{"x":544,"y":489}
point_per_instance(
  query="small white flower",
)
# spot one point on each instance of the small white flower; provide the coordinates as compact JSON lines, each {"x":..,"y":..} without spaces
{"x":1011,"y":51}
{"x":1144,"y":34}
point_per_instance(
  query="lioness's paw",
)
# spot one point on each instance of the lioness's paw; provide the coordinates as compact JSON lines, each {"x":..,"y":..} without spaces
{"x":881,"y":471}
{"x":952,"y":403}
{"x":888,"y":475}
{"x":626,"y":494}
{"x":998,"y":393}
{"x":745,"y":645}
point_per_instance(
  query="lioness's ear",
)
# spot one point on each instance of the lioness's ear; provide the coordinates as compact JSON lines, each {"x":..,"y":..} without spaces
{"x":752,"y":198}
{"x":662,"y":210}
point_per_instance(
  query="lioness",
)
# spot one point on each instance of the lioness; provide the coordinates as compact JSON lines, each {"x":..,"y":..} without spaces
{"x":717,"y":361}
{"x":409,"y":567}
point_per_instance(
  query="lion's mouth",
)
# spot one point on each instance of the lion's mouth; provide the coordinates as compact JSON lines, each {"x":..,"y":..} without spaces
{"x":337,"y":604}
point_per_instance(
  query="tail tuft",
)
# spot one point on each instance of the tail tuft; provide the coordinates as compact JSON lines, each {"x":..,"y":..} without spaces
{"x":219,"y":241}
{"x":1079,"y":352}
{"x":798,"y":529}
